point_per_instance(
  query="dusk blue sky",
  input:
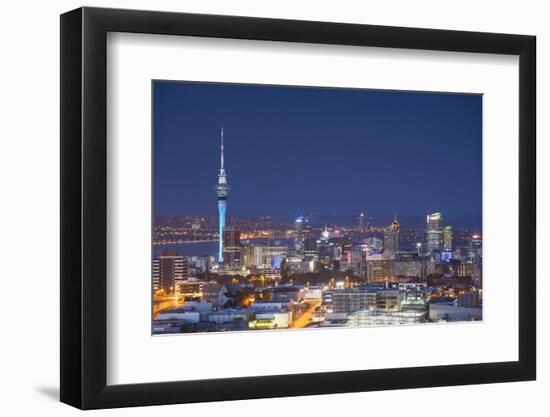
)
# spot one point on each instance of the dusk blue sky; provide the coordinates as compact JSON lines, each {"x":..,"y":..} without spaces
{"x":291,"y":151}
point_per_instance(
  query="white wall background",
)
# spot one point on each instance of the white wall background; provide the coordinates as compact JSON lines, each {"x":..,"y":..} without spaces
{"x":29,"y":225}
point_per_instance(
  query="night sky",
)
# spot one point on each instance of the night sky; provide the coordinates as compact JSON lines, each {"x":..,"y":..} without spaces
{"x":291,"y":151}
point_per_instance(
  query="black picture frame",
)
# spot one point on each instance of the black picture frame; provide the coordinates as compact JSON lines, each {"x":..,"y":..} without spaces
{"x":84,"y":207}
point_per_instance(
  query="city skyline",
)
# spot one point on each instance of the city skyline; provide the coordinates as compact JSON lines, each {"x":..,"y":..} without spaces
{"x":429,"y":181}
{"x":282,"y":269}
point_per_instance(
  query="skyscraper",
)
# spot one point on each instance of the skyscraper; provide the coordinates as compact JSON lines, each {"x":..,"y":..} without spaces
{"x":434,"y":234}
{"x":475,"y":248}
{"x":391,"y":236}
{"x":475,"y":256}
{"x":222,"y":190}
{"x":448,"y":239}
{"x":299,"y":240}
{"x":310,"y":248}
{"x":231,"y":247}
{"x":362,"y":222}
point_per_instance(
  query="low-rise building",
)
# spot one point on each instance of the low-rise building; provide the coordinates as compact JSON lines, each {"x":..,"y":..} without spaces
{"x":388,"y":300}
{"x":447,"y":312}
{"x":287,"y":293}
{"x":219,"y":294}
{"x":313,"y":293}
{"x":228,"y":315}
{"x":347,"y":301}
{"x":182,"y":314}
{"x":269,"y":305}
{"x":270,"y":319}
{"x":469,"y":299}
{"x":191,"y":287}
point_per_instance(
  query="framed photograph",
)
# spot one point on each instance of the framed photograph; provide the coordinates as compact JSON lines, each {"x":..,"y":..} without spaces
{"x":257,"y":208}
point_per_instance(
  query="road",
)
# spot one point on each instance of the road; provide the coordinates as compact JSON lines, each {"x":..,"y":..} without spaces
{"x":162,"y":303}
{"x":305,"y":319}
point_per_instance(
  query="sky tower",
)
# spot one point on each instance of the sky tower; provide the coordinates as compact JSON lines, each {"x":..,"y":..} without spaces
{"x":222,"y":189}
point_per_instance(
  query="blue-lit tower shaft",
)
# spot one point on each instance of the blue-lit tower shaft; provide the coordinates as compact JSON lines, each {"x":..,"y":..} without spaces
{"x":222,"y":190}
{"x":222,"y":207}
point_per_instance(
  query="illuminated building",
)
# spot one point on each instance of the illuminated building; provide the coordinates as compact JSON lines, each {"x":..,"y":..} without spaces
{"x":247,"y":258}
{"x":299,"y":240}
{"x":324,"y":248}
{"x":286,"y":293}
{"x":362,"y":298}
{"x":340,"y":255}
{"x":310,"y":248}
{"x":413,"y":293}
{"x":358,"y":260}
{"x":270,"y":273}
{"x":389,"y":300}
{"x":222,"y":190}
{"x":362,"y":222}
{"x":169,"y":271}
{"x":380,"y":267}
{"x":407,"y":264}
{"x":268,"y":255}
{"x":191,"y":288}
{"x":475,"y":248}
{"x":405,"y":315}
{"x":448,"y":239}
{"x":231,"y":247}
{"x":375,"y":244}
{"x":199,"y":264}
{"x":348,"y":301}
{"x":298,"y":266}
{"x":257,"y":255}
{"x":270,"y":319}
{"x":475,"y":256}
{"x":466,"y":270}
{"x":218,"y":294}
{"x":434,"y":236}
{"x":345,"y":245}
{"x":391,"y":236}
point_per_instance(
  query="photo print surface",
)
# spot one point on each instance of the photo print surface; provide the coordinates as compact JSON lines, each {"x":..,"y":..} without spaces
{"x":285,"y":207}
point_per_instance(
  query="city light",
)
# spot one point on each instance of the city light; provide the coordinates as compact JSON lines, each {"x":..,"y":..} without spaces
{"x":274,"y":226}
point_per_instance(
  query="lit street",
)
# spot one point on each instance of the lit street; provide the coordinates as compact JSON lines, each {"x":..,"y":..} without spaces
{"x":305,"y":319}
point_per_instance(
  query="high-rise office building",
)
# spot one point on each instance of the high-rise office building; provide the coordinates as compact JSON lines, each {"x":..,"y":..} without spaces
{"x":380,"y":267}
{"x":299,"y":239}
{"x":475,"y":257}
{"x":391,"y":236}
{"x":231,"y":247}
{"x":222,"y":190}
{"x":434,"y":234}
{"x":475,"y":246}
{"x":247,"y":256}
{"x":358,"y":262}
{"x":169,"y":270}
{"x":268,"y":255}
{"x":310,"y":248}
{"x":339,"y":252}
{"x":324,"y":248}
{"x":448,"y":239}
{"x":362,"y":222}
